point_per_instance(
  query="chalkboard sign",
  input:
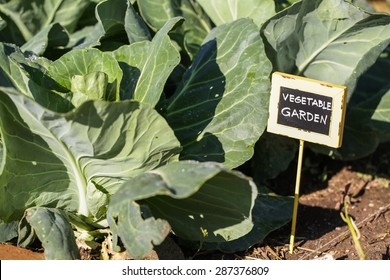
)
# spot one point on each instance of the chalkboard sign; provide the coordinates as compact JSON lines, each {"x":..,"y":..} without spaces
{"x":307,"y":109}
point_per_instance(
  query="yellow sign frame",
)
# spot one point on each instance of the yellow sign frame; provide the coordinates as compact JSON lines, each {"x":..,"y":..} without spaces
{"x":336,"y":92}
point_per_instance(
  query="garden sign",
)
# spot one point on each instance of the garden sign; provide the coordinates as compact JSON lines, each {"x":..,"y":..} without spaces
{"x":308,"y":110}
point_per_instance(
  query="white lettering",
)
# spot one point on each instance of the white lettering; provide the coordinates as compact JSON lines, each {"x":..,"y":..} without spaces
{"x":310,"y":101}
{"x":310,"y":117}
{"x":285,"y":111}
{"x":295,"y":114}
{"x":304,"y":116}
{"x":324,"y":119}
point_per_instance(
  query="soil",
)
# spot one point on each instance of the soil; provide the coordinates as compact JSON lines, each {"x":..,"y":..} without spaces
{"x":10,"y":252}
{"x":321,"y":232}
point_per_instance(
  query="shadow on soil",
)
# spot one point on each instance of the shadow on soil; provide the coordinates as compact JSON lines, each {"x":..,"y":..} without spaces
{"x":314,"y":222}
{"x":317,"y":221}
{"x":317,"y":170}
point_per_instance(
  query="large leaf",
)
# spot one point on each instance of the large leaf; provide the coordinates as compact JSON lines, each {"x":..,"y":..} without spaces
{"x":333,"y":41}
{"x":269,"y":213}
{"x":27,"y":18}
{"x":220,"y":109}
{"x":201,"y":201}
{"x":84,"y":62}
{"x":115,"y":18}
{"x":26,"y":74}
{"x":195,"y":27}
{"x":52,"y":36}
{"x":328,"y":40}
{"x":226,"y":11}
{"x":8,"y":231}
{"x":52,"y":228}
{"x":135,"y":27}
{"x":273,"y":154}
{"x":373,"y":81}
{"x":380,"y":119}
{"x":74,"y":161}
{"x":367,"y":118}
{"x":147,"y":65}
{"x":367,"y":125}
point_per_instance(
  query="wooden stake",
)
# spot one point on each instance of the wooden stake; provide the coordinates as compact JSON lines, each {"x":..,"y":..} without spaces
{"x":296,"y":195}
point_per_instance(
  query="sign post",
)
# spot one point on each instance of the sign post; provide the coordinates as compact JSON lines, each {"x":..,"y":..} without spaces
{"x":308,"y":110}
{"x":296,"y":196}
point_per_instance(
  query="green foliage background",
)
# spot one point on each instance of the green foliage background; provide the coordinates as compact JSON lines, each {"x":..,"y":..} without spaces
{"x":134,"y":116}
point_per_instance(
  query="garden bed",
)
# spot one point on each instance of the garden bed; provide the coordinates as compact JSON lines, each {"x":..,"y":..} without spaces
{"x":130,"y":120}
{"x":321,"y":233}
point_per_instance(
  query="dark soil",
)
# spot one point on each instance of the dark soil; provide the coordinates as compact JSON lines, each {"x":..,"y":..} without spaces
{"x":321,"y":232}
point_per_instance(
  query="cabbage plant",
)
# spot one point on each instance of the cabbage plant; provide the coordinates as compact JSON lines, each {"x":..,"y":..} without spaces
{"x":132,"y":119}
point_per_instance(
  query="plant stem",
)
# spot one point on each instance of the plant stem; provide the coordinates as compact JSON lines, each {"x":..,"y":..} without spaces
{"x":353,"y":229}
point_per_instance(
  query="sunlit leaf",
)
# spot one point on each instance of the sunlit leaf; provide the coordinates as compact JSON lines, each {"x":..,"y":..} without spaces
{"x":220,"y":109}
{"x":194,"y":29}
{"x":147,"y":65}
{"x":84,"y":62}
{"x":226,"y":11}
{"x":59,"y":160}
{"x":200,"y":201}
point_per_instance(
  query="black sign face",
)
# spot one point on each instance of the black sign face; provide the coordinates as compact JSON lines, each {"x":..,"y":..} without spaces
{"x":304,"y":110}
